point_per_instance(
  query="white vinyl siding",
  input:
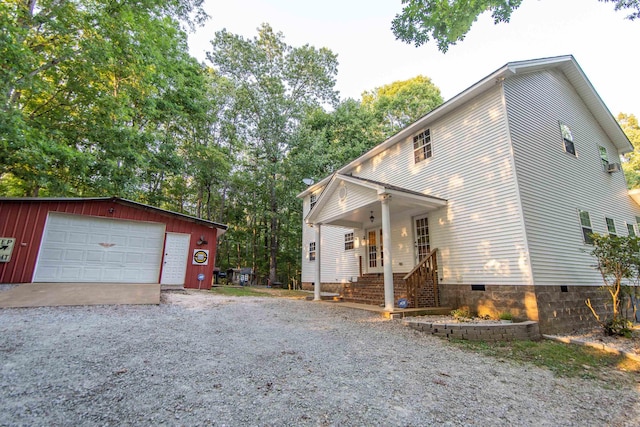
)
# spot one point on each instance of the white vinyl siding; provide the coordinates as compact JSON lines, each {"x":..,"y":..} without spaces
{"x":479,"y":235}
{"x":552,"y":184}
{"x":335,"y":206}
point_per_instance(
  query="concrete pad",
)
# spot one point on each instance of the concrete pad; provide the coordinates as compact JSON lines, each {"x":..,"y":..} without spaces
{"x":59,"y":294}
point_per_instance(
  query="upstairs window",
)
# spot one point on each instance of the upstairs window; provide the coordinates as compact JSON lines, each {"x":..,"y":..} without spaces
{"x":312,"y":251}
{"x":422,"y":146}
{"x":312,"y":199}
{"x":611,"y":226}
{"x":587,"y":230}
{"x":567,"y":138}
{"x":603,"y":157}
{"x":348,"y":241}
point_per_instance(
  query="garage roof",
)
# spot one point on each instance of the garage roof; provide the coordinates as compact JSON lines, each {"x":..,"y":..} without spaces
{"x":125,"y":202}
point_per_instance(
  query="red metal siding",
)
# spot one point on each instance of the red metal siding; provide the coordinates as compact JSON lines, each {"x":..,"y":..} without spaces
{"x":25,"y":220}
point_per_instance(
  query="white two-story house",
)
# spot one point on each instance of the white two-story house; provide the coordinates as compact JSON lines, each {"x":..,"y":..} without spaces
{"x":488,"y":199}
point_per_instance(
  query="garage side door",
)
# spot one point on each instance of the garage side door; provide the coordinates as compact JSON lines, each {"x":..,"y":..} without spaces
{"x":80,"y":248}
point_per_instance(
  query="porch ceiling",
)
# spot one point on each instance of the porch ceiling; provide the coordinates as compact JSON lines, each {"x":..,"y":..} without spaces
{"x":402,"y":201}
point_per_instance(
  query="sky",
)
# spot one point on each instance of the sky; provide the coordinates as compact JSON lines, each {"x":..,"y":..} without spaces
{"x":359,"y":32}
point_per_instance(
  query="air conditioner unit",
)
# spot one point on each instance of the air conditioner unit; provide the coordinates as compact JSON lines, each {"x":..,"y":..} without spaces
{"x":613,"y":167}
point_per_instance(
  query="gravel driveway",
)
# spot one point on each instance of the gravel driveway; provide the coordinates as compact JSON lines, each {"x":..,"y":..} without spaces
{"x":200,"y":359}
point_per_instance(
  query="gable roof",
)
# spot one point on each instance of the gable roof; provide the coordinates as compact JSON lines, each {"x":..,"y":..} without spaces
{"x":566,"y":63}
{"x":408,"y":197}
{"x":125,"y":202}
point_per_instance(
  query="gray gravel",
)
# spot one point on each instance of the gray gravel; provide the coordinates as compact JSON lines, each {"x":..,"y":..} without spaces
{"x":199,"y":359}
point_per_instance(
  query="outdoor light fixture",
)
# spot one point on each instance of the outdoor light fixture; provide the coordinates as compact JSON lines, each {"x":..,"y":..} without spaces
{"x":202,"y":241}
{"x":111,"y":210}
{"x":372,"y":218}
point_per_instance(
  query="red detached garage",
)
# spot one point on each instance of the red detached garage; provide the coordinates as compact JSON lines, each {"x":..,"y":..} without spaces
{"x":104,"y":240}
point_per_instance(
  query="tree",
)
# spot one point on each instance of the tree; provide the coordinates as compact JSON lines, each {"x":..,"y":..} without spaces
{"x":448,"y":21}
{"x":89,"y":100}
{"x":631,"y":166}
{"x":618,"y":262}
{"x":275,"y":86}
{"x":400,"y":103}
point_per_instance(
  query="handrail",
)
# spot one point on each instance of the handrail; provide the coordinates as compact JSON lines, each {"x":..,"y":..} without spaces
{"x":423,"y":274}
{"x":419,"y":265}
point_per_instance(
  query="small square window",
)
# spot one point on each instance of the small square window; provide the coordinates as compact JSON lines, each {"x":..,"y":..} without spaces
{"x":587,"y":230}
{"x":348,"y":241}
{"x":312,"y":251}
{"x":611,"y":226}
{"x":422,"y":146}
{"x":567,"y":137}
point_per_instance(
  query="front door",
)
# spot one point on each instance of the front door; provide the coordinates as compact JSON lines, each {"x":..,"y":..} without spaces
{"x":421,"y":229}
{"x":375,"y":262}
{"x":176,"y":255}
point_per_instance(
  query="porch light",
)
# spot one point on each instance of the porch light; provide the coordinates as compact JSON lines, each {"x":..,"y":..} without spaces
{"x":372,"y":218}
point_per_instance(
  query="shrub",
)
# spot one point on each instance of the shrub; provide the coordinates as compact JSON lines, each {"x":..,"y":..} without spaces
{"x":505,"y":315}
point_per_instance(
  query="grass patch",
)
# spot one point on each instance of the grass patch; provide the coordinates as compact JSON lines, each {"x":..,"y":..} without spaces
{"x":238,"y":292}
{"x":257,"y":292}
{"x":564,"y":360}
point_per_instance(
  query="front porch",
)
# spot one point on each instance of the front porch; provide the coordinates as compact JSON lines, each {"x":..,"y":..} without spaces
{"x":395,"y":236}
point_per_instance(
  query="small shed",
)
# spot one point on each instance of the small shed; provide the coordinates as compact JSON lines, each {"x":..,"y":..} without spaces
{"x":104,"y":240}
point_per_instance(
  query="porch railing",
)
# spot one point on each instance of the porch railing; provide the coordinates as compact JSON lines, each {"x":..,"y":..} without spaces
{"x":423,"y":276}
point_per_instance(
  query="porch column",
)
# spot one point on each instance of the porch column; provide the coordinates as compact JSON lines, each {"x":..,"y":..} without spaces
{"x":316,"y":285}
{"x":386,"y":252}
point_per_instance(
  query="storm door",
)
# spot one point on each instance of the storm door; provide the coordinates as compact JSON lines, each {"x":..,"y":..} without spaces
{"x":421,"y":229}
{"x":375,"y":262}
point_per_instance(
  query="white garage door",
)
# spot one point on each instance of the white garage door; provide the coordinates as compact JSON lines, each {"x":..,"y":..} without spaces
{"x":80,"y":248}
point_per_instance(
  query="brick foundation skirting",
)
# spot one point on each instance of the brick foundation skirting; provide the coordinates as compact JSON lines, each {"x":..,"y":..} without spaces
{"x":520,"y":301}
{"x":336,"y":288}
{"x":557,"y":309}
{"x":479,"y":332}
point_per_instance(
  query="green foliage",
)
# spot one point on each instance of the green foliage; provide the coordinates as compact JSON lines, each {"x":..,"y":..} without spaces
{"x":275,"y":85}
{"x":505,"y":315}
{"x":631,"y":167}
{"x":448,"y":21}
{"x":618,"y":260}
{"x":461,"y":314}
{"x":618,"y":327}
{"x":91,"y":95}
{"x":401,"y":103}
{"x":564,"y":360}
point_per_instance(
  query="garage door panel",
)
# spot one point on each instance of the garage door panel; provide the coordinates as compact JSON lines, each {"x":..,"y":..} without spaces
{"x":97,"y":238}
{"x":95,"y":256}
{"x":51,"y":255}
{"x":79,"y":248}
{"x":73,"y":255}
{"x":71,"y":274}
{"x":78,"y":238}
{"x":57,"y":236}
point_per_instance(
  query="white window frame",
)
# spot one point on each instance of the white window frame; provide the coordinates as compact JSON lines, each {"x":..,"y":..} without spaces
{"x":567,"y":139}
{"x":422,"y":146}
{"x":349,"y":242}
{"x":312,"y":251}
{"x":586,"y":229}
{"x":631,"y":229}
{"x":604,"y":157}
{"x":313,"y":199}
{"x":611,"y":224}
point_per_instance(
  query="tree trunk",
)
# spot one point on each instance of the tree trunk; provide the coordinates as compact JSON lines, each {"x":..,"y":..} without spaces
{"x":273,"y":247}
